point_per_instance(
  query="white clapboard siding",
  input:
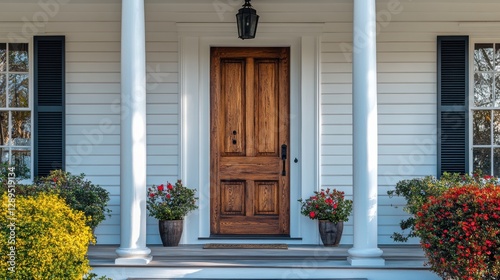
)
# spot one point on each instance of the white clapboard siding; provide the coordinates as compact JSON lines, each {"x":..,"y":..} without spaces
{"x":407,"y":97}
{"x":406,"y":86}
{"x":92,"y":33}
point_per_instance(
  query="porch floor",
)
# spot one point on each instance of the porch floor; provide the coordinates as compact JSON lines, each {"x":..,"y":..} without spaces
{"x":407,"y":256}
{"x":297,"y":262}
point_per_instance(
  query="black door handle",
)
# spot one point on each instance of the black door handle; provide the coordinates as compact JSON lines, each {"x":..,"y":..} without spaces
{"x":284,"y":152}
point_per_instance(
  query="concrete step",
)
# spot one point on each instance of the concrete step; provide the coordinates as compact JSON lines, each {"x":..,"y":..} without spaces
{"x":242,"y":279}
{"x":192,"y":262}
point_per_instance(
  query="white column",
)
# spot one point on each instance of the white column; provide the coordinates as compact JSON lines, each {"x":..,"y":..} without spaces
{"x":365,"y":251}
{"x":133,"y":248}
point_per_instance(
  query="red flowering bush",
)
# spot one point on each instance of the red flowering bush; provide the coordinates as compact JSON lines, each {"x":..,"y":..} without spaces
{"x":460,"y":232}
{"x":171,"y":202}
{"x":327,"y":205}
{"x":417,"y":191}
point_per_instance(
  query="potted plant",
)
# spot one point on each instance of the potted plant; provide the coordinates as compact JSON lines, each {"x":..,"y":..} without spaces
{"x":169,"y":204}
{"x":331,"y":209}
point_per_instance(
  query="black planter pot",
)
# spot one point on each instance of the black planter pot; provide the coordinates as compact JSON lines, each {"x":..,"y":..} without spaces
{"x":171,"y":232}
{"x":330,"y":233}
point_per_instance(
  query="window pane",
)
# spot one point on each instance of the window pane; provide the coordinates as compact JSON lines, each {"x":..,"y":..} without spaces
{"x":482,"y":127}
{"x":18,"y":57}
{"x":18,"y":90}
{"x":483,"y":57}
{"x":4,"y":128}
{"x":497,"y":57}
{"x":482,"y":160}
{"x":3,"y":57}
{"x":483,"y":89}
{"x":496,"y":127}
{"x":21,"y":128}
{"x":496,"y":166}
{"x":3,"y":89}
{"x":497,"y":90}
{"x":21,"y":160}
{"x":4,"y":154}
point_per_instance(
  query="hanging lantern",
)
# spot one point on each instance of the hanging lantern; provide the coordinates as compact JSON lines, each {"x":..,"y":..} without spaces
{"x":247,"y":20}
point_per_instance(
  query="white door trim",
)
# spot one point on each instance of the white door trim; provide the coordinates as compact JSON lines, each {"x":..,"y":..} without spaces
{"x":194,"y":50}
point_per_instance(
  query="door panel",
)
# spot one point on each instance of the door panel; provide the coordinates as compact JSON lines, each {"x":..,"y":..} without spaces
{"x":249,"y":123}
{"x":266,"y":108}
{"x":266,"y":197}
{"x":233,"y":101}
{"x":233,"y":198}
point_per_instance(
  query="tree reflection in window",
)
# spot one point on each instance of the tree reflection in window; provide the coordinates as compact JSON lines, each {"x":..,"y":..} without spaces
{"x":482,"y":160}
{"x":482,"y":127}
{"x":3,"y":57}
{"x":486,"y":108}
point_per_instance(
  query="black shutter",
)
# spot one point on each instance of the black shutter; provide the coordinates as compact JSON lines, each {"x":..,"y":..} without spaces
{"x":49,"y":113}
{"x":453,"y":93}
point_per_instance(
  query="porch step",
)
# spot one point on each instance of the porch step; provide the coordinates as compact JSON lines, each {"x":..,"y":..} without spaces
{"x":242,"y":279}
{"x":192,"y":262}
{"x":296,"y":257}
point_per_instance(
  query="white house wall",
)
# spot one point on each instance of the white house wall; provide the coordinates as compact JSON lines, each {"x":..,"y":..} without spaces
{"x":406,"y":76}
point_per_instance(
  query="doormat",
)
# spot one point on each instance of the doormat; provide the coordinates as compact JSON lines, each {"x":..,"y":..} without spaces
{"x":245,"y":246}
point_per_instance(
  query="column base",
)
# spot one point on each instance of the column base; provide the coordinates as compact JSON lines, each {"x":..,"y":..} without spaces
{"x":133,"y":256}
{"x":368,"y":257}
{"x":134,"y":260}
{"x":366,"y":262}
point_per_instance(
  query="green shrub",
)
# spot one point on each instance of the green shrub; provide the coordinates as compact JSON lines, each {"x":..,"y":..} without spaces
{"x":79,"y":193}
{"x":417,"y":191}
{"x":51,"y":239}
{"x":460,"y":232}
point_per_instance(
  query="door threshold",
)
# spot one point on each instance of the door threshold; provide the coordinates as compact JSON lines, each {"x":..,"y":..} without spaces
{"x":249,"y":237}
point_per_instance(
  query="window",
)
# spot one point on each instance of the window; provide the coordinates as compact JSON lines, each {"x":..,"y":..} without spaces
{"x":485,"y":109}
{"x":15,"y":107}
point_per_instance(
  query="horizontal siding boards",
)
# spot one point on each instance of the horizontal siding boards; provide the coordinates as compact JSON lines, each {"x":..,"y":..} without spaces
{"x":407,"y":86}
{"x":407,"y":97}
{"x":93,"y":98}
{"x":162,"y":108}
{"x":407,"y":101}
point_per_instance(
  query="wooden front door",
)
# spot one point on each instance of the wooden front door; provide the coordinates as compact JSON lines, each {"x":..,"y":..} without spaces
{"x":249,"y":144}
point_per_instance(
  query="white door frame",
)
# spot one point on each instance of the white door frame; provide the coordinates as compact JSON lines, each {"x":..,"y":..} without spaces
{"x":195,"y":40}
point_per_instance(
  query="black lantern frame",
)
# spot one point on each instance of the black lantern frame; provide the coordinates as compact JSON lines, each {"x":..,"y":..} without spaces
{"x":247,"y":20}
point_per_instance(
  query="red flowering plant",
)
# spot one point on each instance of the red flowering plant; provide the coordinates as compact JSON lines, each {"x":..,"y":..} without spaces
{"x":460,"y":232}
{"x":328,"y":205}
{"x":417,"y":191}
{"x":171,"y":202}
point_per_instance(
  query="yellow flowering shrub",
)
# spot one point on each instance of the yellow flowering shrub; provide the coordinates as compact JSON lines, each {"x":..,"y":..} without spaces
{"x":42,"y":238}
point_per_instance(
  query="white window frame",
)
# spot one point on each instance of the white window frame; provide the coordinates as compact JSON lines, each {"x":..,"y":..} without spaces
{"x":30,"y":101}
{"x":471,"y":106}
